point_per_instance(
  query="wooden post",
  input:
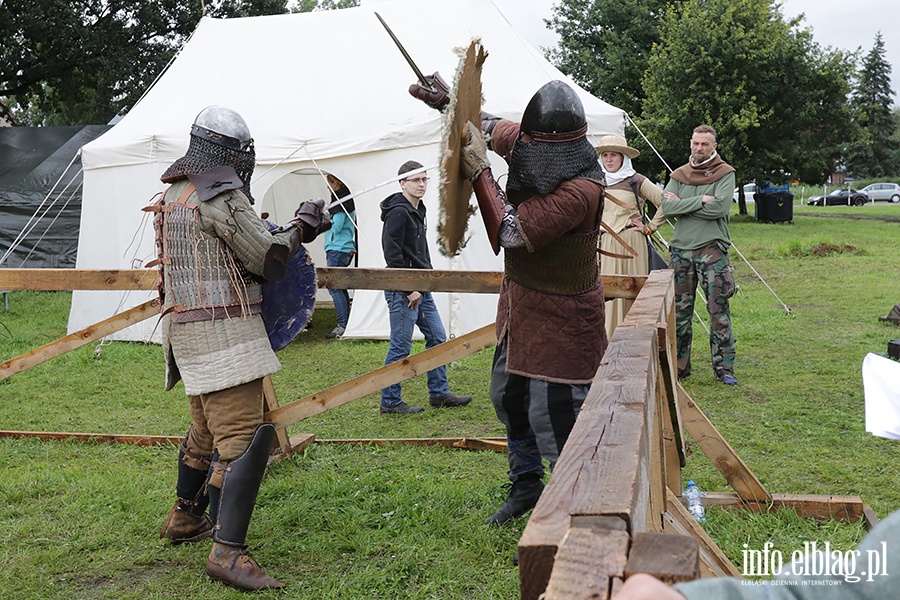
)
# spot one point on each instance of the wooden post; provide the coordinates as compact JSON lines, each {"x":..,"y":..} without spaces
{"x":283,"y":444}
{"x":670,"y":558}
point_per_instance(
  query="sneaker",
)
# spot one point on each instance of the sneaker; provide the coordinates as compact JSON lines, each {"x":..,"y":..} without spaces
{"x":449,"y":400}
{"x":337,"y":332}
{"x":728,"y":379}
{"x":401,"y":409}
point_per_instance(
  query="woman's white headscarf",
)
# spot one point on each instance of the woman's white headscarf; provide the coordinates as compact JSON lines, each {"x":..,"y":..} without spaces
{"x":624,"y":172}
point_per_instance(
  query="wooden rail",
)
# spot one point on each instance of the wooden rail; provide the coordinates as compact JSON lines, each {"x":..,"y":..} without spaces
{"x":476,"y":282}
{"x":613,"y":507}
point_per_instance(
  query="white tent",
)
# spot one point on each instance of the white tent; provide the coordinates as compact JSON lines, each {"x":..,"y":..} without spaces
{"x":322,"y":91}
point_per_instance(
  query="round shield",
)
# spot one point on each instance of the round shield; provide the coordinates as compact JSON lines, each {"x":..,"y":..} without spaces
{"x":287,"y":305}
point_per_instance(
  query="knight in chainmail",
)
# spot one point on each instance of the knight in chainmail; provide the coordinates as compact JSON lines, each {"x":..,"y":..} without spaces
{"x":550,"y":332}
{"x":214,"y":255}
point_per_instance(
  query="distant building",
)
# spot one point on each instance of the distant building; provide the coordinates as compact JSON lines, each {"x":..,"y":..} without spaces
{"x":6,"y":117}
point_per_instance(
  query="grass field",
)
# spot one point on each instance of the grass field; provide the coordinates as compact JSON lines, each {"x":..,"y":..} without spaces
{"x":81,"y":521}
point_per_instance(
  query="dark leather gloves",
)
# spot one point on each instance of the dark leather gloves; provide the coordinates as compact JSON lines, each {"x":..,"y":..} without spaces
{"x":311,"y":219}
{"x":437,"y":97}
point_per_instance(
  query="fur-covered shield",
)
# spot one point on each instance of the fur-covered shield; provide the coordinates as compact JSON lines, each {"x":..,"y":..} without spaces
{"x":455,"y":189}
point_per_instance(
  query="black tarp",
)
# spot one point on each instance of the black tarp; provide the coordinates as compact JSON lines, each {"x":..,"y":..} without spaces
{"x":32,"y":161}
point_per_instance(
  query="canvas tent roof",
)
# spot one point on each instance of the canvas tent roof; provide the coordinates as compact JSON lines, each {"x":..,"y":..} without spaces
{"x":40,"y":194}
{"x":320,"y":91}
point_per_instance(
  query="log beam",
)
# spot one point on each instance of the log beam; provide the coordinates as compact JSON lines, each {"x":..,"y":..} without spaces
{"x":79,"y":338}
{"x":351,"y":278}
{"x":374,"y":381}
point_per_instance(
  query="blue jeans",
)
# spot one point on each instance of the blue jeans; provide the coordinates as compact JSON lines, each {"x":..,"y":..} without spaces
{"x":341,"y":298}
{"x":403,"y":320}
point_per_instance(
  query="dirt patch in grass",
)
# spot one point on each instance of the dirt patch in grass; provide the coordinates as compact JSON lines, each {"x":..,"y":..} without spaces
{"x":129,"y":578}
{"x":823,"y":249}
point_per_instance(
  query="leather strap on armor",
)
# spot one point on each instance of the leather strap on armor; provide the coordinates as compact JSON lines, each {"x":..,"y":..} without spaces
{"x":490,"y":204}
{"x":240,"y":486}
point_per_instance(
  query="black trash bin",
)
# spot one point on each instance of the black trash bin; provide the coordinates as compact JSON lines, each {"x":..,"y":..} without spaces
{"x":776,"y":206}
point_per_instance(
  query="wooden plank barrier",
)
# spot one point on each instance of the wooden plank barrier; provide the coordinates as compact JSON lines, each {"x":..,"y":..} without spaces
{"x":610,"y":476}
{"x":612,"y":507}
{"x":351,"y":278}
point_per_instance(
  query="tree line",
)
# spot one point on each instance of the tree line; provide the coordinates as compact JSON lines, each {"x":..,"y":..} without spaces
{"x":784,"y":106}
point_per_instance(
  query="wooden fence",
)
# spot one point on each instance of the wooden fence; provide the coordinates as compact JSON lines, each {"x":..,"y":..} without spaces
{"x":612,"y":506}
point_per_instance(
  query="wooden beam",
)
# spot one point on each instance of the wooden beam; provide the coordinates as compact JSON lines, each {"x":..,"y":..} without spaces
{"x":603,"y":473}
{"x":110,"y":438}
{"x":476,"y":282}
{"x":720,"y":452}
{"x":587,"y":560}
{"x":79,"y":338}
{"x":668,"y":557}
{"x":374,"y":381}
{"x":301,"y":441}
{"x":673,"y":424}
{"x":494,"y":444}
{"x":78,"y":279}
{"x":871,"y":517}
{"x":297,"y":442}
{"x":713,"y":561}
{"x":270,"y":402}
{"x":848,"y":509}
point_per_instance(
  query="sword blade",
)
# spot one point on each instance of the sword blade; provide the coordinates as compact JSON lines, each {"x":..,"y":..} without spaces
{"x":406,"y":55}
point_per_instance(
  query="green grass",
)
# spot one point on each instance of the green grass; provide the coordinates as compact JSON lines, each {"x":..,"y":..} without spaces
{"x":81,"y":521}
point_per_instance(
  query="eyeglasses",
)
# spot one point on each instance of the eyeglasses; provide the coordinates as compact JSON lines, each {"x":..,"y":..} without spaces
{"x":417,"y":180}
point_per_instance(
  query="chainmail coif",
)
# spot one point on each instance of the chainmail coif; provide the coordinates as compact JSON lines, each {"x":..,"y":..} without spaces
{"x":542,"y":166}
{"x":203,"y":155}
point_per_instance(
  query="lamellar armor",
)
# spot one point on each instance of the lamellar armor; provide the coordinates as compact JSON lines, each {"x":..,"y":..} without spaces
{"x":202,"y":279}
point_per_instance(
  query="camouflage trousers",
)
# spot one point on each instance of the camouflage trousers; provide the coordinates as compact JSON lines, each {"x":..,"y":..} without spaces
{"x":708,"y":267}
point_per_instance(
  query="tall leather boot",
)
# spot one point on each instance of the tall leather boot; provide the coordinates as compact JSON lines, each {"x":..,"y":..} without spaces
{"x":229,"y":561}
{"x":187,"y":521}
{"x":523,"y":496}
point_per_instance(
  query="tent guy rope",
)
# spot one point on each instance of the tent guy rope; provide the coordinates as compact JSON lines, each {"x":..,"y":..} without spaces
{"x":35,"y":219}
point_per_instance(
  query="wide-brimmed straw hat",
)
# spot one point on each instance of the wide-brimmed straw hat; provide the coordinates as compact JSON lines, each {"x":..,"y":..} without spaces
{"x":616,"y":143}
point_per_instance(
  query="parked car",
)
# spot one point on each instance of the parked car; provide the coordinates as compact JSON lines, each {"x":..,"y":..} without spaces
{"x":839,"y":198}
{"x":883,"y":191}
{"x":749,"y":192}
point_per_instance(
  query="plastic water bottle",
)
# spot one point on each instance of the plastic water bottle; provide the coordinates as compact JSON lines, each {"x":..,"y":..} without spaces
{"x":695,"y":503}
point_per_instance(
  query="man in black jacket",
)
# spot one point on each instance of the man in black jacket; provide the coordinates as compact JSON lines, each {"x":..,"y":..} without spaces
{"x":405,"y":247}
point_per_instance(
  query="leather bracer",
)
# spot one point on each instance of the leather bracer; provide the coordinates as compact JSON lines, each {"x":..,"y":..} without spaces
{"x":490,"y":204}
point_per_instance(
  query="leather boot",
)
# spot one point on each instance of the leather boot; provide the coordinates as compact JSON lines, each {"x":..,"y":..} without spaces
{"x":183,"y":526}
{"x":523,"y":495}
{"x":187,"y":521}
{"x":235,"y":567}
{"x":232,"y":504}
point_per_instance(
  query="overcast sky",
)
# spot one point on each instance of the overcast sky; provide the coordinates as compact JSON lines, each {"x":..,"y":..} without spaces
{"x":840,"y":24}
{"x":843,"y":24}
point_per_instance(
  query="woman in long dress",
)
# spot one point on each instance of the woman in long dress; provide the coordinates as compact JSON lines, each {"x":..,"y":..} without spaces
{"x":621,"y":213}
